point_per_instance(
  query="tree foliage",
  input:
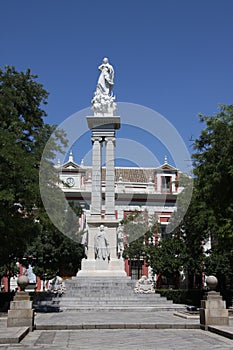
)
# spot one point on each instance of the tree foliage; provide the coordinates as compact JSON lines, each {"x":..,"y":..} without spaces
{"x":213,"y":168}
{"x":182,"y":249}
{"x":21,"y":120}
{"x":168,"y":258}
{"x":24,"y":224}
{"x":51,"y":254}
{"x":192,"y":231}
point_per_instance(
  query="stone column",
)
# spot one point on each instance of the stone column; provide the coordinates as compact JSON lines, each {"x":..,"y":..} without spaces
{"x":110,"y":178}
{"x":103,"y":129}
{"x":96,"y":198}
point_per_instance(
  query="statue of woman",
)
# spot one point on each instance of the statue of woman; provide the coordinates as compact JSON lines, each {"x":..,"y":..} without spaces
{"x":103,"y":101}
{"x":105,"y":81}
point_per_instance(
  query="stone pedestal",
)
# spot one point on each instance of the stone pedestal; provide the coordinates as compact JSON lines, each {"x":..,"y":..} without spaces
{"x":102,"y":268}
{"x":21,"y":312}
{"x":213,"y":311}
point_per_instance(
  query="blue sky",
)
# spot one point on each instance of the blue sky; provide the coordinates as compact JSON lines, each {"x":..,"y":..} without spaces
{"x":173,"y":56}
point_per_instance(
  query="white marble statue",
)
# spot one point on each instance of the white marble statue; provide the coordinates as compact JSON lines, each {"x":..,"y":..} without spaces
{"x":105,"y":82}
{"x":103,"y":101}
{"x":120,"y":241}
{"x":144,"y":285}
{"x":101,"y":245}
{"x":30,"y":274}
{"x":84,"y":241}
{"x":57,"y":285}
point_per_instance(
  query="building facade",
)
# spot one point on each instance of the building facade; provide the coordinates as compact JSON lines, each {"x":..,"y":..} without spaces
{"x":153,"y":190}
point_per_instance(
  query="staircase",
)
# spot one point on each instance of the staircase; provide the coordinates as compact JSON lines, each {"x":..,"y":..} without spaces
{"x":110,"y":293}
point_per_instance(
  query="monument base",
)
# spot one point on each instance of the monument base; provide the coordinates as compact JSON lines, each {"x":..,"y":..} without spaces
{"x":104,"y":122}
{"x":99,"y":268}
{"x":21,"y":313}
{"x":213,"y":311}
{"x":92,"y":267}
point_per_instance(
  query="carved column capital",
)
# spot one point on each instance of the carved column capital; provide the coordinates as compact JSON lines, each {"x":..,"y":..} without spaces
{"x":110,"y":139}
{"x":96,"y":139}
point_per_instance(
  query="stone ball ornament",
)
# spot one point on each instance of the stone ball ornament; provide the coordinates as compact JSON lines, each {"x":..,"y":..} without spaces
{"x":22,"y":282}
{"x":211,"y":282}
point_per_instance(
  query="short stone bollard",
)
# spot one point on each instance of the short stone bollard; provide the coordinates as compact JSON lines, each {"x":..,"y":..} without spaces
{"x":213,"y":309}
{"x":21,"y":313}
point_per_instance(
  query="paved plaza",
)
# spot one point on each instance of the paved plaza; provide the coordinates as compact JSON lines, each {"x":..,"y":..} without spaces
{"x":116,"y":330}
{"x":124,"y":339}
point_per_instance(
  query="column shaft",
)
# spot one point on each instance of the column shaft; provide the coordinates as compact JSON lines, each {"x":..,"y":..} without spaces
{"x":110,"y":177}
{"x":96,"y":196}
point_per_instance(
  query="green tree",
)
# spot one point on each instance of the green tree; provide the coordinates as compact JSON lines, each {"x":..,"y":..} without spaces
{"x":221,"y":265}
{"x":140,"y":229}
{"x":23,"y":136}
{"x":167,"y":259}
{"x":52,"y":254}
{"x":71,"y":222}
{"x":213,"y":169}
{"x":135,"y":227}
{"x":191,"y":230}
{"x":55,"y":253}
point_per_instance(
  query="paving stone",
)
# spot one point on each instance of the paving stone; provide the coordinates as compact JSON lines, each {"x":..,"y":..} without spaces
{"x":118,"y":330}
{"x":132,"y":339}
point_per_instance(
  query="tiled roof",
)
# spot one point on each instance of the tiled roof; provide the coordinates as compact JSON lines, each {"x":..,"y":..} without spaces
{"x":134,"y":174}
{"x":124,"y":174}
{"x":128,"y":174}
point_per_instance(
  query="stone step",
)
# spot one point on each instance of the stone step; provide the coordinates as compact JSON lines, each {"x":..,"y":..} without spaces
{"x":102,"y":294}
{"x":111,"y":301}
{"x":99,"y":286}
{"x":162,"y":307}
{"x":133,"y":305}
{"x":110,"y":293}
{"x":128,"y":298}
{"x":92,"y":281}
{"x":114,"y":297}
{"x":102,"y":278}
{"x":110,"y":296}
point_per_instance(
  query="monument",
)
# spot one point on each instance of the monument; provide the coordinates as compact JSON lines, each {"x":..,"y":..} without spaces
{"x":102,"y":283}
{"x":102,"y":258}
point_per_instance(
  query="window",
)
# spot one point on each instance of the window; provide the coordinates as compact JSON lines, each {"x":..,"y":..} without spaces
{"x":164,"y":234}
{"x":136,"y":269}
{"x":165,"y":184}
